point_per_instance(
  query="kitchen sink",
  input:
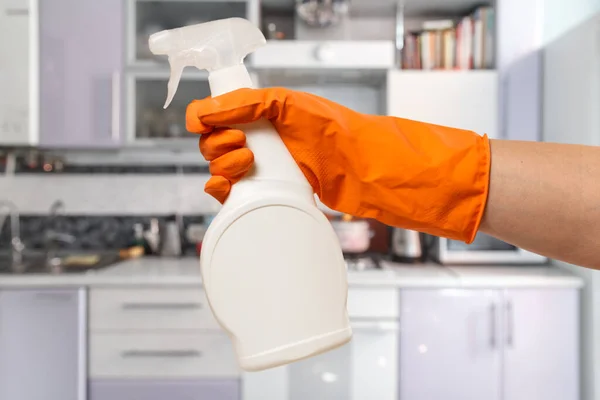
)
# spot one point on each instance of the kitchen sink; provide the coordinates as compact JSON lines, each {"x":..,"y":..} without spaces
{"x":61,"y":263}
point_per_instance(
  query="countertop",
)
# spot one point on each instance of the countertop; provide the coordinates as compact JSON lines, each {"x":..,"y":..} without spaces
{"x":186,"y":272}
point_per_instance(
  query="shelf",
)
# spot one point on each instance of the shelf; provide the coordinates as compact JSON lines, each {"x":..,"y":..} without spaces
{"x":448,"y":72}
{"x":183,"y":143}
{"x":162,"y":72}
{"x":388,"y":7}
{"x":336,"y":54}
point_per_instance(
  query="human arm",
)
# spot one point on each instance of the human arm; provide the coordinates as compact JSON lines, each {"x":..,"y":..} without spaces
{"x":545,"y":198}
{"x":415,"y":175}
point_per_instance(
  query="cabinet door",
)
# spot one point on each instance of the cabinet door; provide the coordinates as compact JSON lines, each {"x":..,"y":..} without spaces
{"x":449,"y":345}
{"x":459,"y":99}
{"x":364,"y":369}
{"x":15,"y":68}
{"x":81,"y":46}
{"x":42,"y":345}
{"x":541,"y":344}
{"x":162,"y":390}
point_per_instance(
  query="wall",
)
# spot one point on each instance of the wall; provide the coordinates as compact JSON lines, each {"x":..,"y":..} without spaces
{"x":569,"y":118}
{"x":562,"y":15}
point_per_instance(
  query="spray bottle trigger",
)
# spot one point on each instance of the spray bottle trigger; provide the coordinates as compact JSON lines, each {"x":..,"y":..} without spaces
{"x":176,"y":72}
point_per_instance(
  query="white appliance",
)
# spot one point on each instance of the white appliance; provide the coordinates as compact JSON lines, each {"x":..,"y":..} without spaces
{"x":485,"y":249}
{"x":364,"y":369}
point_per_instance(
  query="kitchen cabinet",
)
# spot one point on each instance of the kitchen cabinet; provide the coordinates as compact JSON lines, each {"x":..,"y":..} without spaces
{"x":43,"y":344}
{"x":81,"y":61}
{"x":158,"y":343}
{"x":366,"y":368}
{"x":495,"y":344}
{"x":146,"y":75}
{"x":459,"y":99}
{"x":541,"y":344}
{"x":164,"y":389}
{"x":18,"y":66}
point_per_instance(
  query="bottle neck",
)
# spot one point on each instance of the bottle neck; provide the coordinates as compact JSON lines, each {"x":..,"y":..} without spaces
{"x":229,"y":79}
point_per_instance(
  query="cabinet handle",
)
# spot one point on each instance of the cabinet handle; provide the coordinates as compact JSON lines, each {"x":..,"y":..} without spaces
{"x":15,"y":12}
{"x":116,"y":106}
{"x":161,"y":354}
{"x":493,"y":325}
{"x":384,"y":326}
{"x":162,"y":306}
{"x":400,"y":25}
{"x":54,"y":296}
{"x":510,"y":324}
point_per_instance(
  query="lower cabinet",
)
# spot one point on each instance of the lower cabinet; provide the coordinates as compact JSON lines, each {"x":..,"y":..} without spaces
{"x":125,"y":389}
{"x":514,"y":344}
{"x":366,"y":368}
{"x":43,"y":344}
{"x":158,"y":344}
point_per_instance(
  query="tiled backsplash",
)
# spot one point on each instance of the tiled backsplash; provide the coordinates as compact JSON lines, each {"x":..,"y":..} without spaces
{"x":117,"y":169}
{"x":90,"y":232}
{"x":102,"y":201}
{"x":110,"y":194}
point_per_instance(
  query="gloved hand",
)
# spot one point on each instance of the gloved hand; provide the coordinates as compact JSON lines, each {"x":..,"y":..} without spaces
{"x":404,"y":173}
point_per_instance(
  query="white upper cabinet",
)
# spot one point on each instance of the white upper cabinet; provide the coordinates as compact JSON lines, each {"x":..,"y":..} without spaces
{"x":18,"y":65}
{"x":459,"y":99}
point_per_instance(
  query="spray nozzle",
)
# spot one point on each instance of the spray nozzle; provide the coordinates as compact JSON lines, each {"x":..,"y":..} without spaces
{"x":211,"y":46}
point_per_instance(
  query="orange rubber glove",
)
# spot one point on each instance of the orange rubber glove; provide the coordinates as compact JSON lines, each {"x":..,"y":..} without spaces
{"x":404,"y":173}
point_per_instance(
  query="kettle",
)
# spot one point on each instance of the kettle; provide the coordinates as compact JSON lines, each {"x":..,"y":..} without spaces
{"x":406,"y":245}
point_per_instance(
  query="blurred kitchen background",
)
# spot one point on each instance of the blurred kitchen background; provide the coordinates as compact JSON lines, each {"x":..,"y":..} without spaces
{"x":102,"y":209}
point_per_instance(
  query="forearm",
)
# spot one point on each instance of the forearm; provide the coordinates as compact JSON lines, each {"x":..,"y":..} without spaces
{"x":545,"y":197}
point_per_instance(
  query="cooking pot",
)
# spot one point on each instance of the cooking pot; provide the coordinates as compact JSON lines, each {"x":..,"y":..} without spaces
{"x":354,"y":234}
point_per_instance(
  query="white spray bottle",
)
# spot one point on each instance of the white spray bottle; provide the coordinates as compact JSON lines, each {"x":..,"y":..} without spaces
{"x":271,"y":264}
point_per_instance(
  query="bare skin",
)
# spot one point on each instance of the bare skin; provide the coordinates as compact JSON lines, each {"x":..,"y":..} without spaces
{"x":545,"y":198}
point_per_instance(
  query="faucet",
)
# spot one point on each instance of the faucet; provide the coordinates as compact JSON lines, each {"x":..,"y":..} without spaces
{"x":17,"y":245}
{"x":52,"y":238}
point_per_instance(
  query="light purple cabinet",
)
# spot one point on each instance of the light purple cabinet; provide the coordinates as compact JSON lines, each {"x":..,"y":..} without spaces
{"x":81,"y":60}
{"x":151,"y":389}
{"x":43,"y":345}
{"x":473,"y":344}
{"x":449,"y":345}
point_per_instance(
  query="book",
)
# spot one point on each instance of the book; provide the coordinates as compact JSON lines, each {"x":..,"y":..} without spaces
{"x":445,"y":44}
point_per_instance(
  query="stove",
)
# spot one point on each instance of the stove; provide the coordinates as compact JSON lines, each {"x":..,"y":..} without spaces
{"x":362,"y":262}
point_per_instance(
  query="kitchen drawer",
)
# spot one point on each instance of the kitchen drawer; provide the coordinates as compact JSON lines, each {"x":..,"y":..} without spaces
{"x":150,"y":309}
{"x":155,"y":355}
{"x":172,"y":389}
{"x":373,"y":303}
{"x":367,"y":54}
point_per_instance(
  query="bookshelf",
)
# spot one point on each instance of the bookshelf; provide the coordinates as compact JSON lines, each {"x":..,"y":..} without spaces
{"x":497,"y":68}
{"x":464,"y":41}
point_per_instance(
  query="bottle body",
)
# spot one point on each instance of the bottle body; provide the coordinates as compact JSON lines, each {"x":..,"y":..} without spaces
{"x":275,"y":278}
